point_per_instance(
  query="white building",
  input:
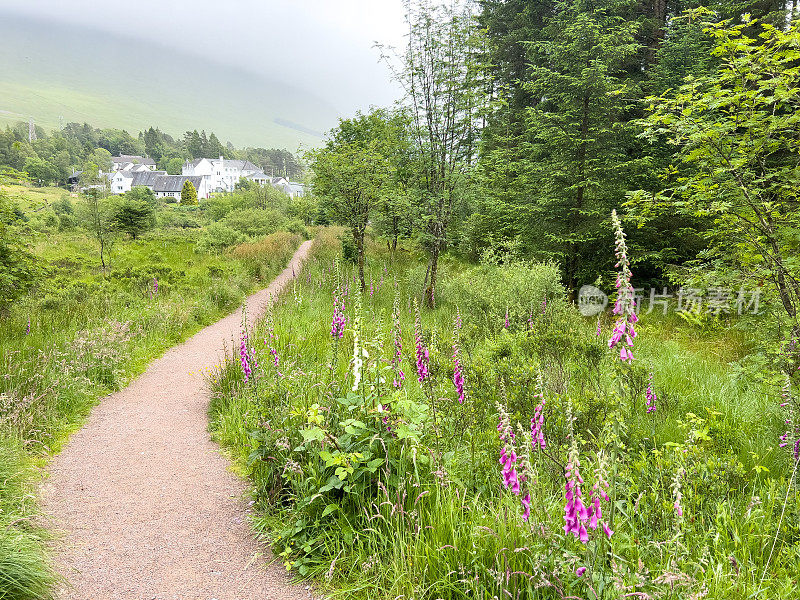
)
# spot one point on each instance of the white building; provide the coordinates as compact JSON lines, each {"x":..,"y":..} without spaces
{"x":123,"y":181}
{"x":128,"y":162}
{"x":170,"y":186}
{"x":222,"y":174}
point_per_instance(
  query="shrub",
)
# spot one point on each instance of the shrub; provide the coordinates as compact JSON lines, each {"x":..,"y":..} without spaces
{"x":253,"y":222}
{"x":486,"y":292}
{"x":217,"y":237}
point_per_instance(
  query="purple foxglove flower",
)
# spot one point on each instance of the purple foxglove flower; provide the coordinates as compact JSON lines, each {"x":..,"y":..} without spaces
{"x":421,"y":351}
{"x":526,"y":507}
{"x":625,"y":304}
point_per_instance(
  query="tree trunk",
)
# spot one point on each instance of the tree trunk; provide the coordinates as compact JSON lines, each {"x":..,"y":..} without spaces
{"x":430,"y":291}
{"x":360,"y":245}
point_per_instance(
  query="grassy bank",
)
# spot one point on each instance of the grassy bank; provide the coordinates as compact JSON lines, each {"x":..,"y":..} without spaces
{"x":380,"y":490}
{"x":84,"y":331}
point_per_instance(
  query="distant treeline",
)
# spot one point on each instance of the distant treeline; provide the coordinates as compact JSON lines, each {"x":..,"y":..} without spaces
{"x":52,"y":157}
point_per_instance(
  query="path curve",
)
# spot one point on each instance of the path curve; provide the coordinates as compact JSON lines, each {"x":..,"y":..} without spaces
{"x":142,"y":502}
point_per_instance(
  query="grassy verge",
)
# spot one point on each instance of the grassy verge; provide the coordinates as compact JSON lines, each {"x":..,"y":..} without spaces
{"x":384,"y":492}
{"x":85,"y":332}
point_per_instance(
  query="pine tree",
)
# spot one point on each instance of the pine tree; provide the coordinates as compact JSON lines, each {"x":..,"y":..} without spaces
{"x":188,"y":194}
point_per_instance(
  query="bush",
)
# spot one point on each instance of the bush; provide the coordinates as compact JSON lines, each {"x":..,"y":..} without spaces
{"x":253,"y":222}
{"x":217,"y":237}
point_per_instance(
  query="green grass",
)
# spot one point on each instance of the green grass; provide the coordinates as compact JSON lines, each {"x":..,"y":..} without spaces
{"x":433,"y":521}
{"x":91,"y":331}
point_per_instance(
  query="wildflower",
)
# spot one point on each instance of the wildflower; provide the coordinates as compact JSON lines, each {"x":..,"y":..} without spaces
{"x":625,"y":305}
{"x":580,"y":571}
{"x":791,"y":435}
{"x":676,"y":492}
{"x":422,"y":355}
{"x":544,"y":304}
{"x":537,"y":421}
{"x":526,"y":507}
{"x":650,"y":395}
{"x":397,"y":336}
{"x":599,"y":491}
{"x":508,"y":454}
{"x":339,"y":319}
{"x":243,"y":357}
{"x":530,"y":319}
{"x":28,"y":327}
{"x":458,"y":376}
{"x":599,"y":330}
{"x":155,"y":286}
{"x":358,"y":353}
{"x":575,"y":513}
{"x":505,"y":323}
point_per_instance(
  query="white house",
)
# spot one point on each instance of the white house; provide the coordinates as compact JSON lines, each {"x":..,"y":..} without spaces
{"x":222,"y":174}
{"x":290,"y":188}
{"x":128,"y":162}
{"x":170,"y":186}
{"x":258,"y":178}
{"x":123,"y":181}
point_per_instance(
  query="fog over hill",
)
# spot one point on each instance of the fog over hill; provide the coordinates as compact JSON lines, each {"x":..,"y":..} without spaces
{"x":58,"y":73}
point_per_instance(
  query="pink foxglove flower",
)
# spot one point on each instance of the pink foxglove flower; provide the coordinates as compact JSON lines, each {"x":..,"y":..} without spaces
{"x":575,"y":512}
{"x":650,"y":396}
{"x":526,"y":507}
{"x":28,"y":327}
{"x":243,"y":357}
{"x":458,"y":375}
{"x":625,"y":305}
{"x":339,"y":319}
{"x":537,"y":421}
{"x":599,"y":492}
{"x":505,"y":322}
{"x":508,"y":453}
{"x":397,"y":336}
{"x":676,"y":492}
{"x":423,"y":358}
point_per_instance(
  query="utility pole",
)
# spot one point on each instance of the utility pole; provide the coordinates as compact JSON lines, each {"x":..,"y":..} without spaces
{"x":31,"y":131}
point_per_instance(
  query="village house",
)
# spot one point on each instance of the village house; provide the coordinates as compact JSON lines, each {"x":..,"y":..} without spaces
{"x":123,"y":181}
{"x":128,"y":162}
{"x":170,"y":186}
{"x":223,"y":174}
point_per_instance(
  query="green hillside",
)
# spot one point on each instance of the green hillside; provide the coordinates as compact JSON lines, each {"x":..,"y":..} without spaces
{"x":57,"y":74}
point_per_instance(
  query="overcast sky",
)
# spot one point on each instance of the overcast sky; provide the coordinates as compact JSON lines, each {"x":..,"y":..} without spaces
{"x":321,"y":45}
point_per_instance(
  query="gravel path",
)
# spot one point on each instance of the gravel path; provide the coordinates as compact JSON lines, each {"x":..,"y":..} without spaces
{"x":143,"y":504}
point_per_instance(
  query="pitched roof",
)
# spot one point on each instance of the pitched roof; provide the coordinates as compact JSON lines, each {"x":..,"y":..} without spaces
{"x":257,"y":175}
{"x":174,"y":183}
{"x":129,"y":158}
{"x":146,"y":178}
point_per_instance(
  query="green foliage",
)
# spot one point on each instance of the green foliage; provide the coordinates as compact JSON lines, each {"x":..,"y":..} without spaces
{"x":353,"y":171}
{"x":253,"y":222}
{"x":398,"y":490}
{"x":217,"y":237}
{"x":188,"y":194}
{"x":735,"y":137}
{"x":133,"y":216}
{"x":18,"y":270}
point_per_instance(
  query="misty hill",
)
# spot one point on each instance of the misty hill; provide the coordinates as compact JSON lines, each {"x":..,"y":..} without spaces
{"x":57,"y":73}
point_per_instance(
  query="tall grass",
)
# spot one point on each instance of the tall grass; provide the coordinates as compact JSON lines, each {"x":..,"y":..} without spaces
{"x":423,"y":513}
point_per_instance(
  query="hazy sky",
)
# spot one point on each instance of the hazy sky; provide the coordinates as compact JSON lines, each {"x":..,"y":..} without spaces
{"x":321,"y":45}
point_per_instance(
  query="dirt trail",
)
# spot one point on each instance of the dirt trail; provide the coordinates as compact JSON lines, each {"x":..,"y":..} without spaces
{"x":141,"y":499}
